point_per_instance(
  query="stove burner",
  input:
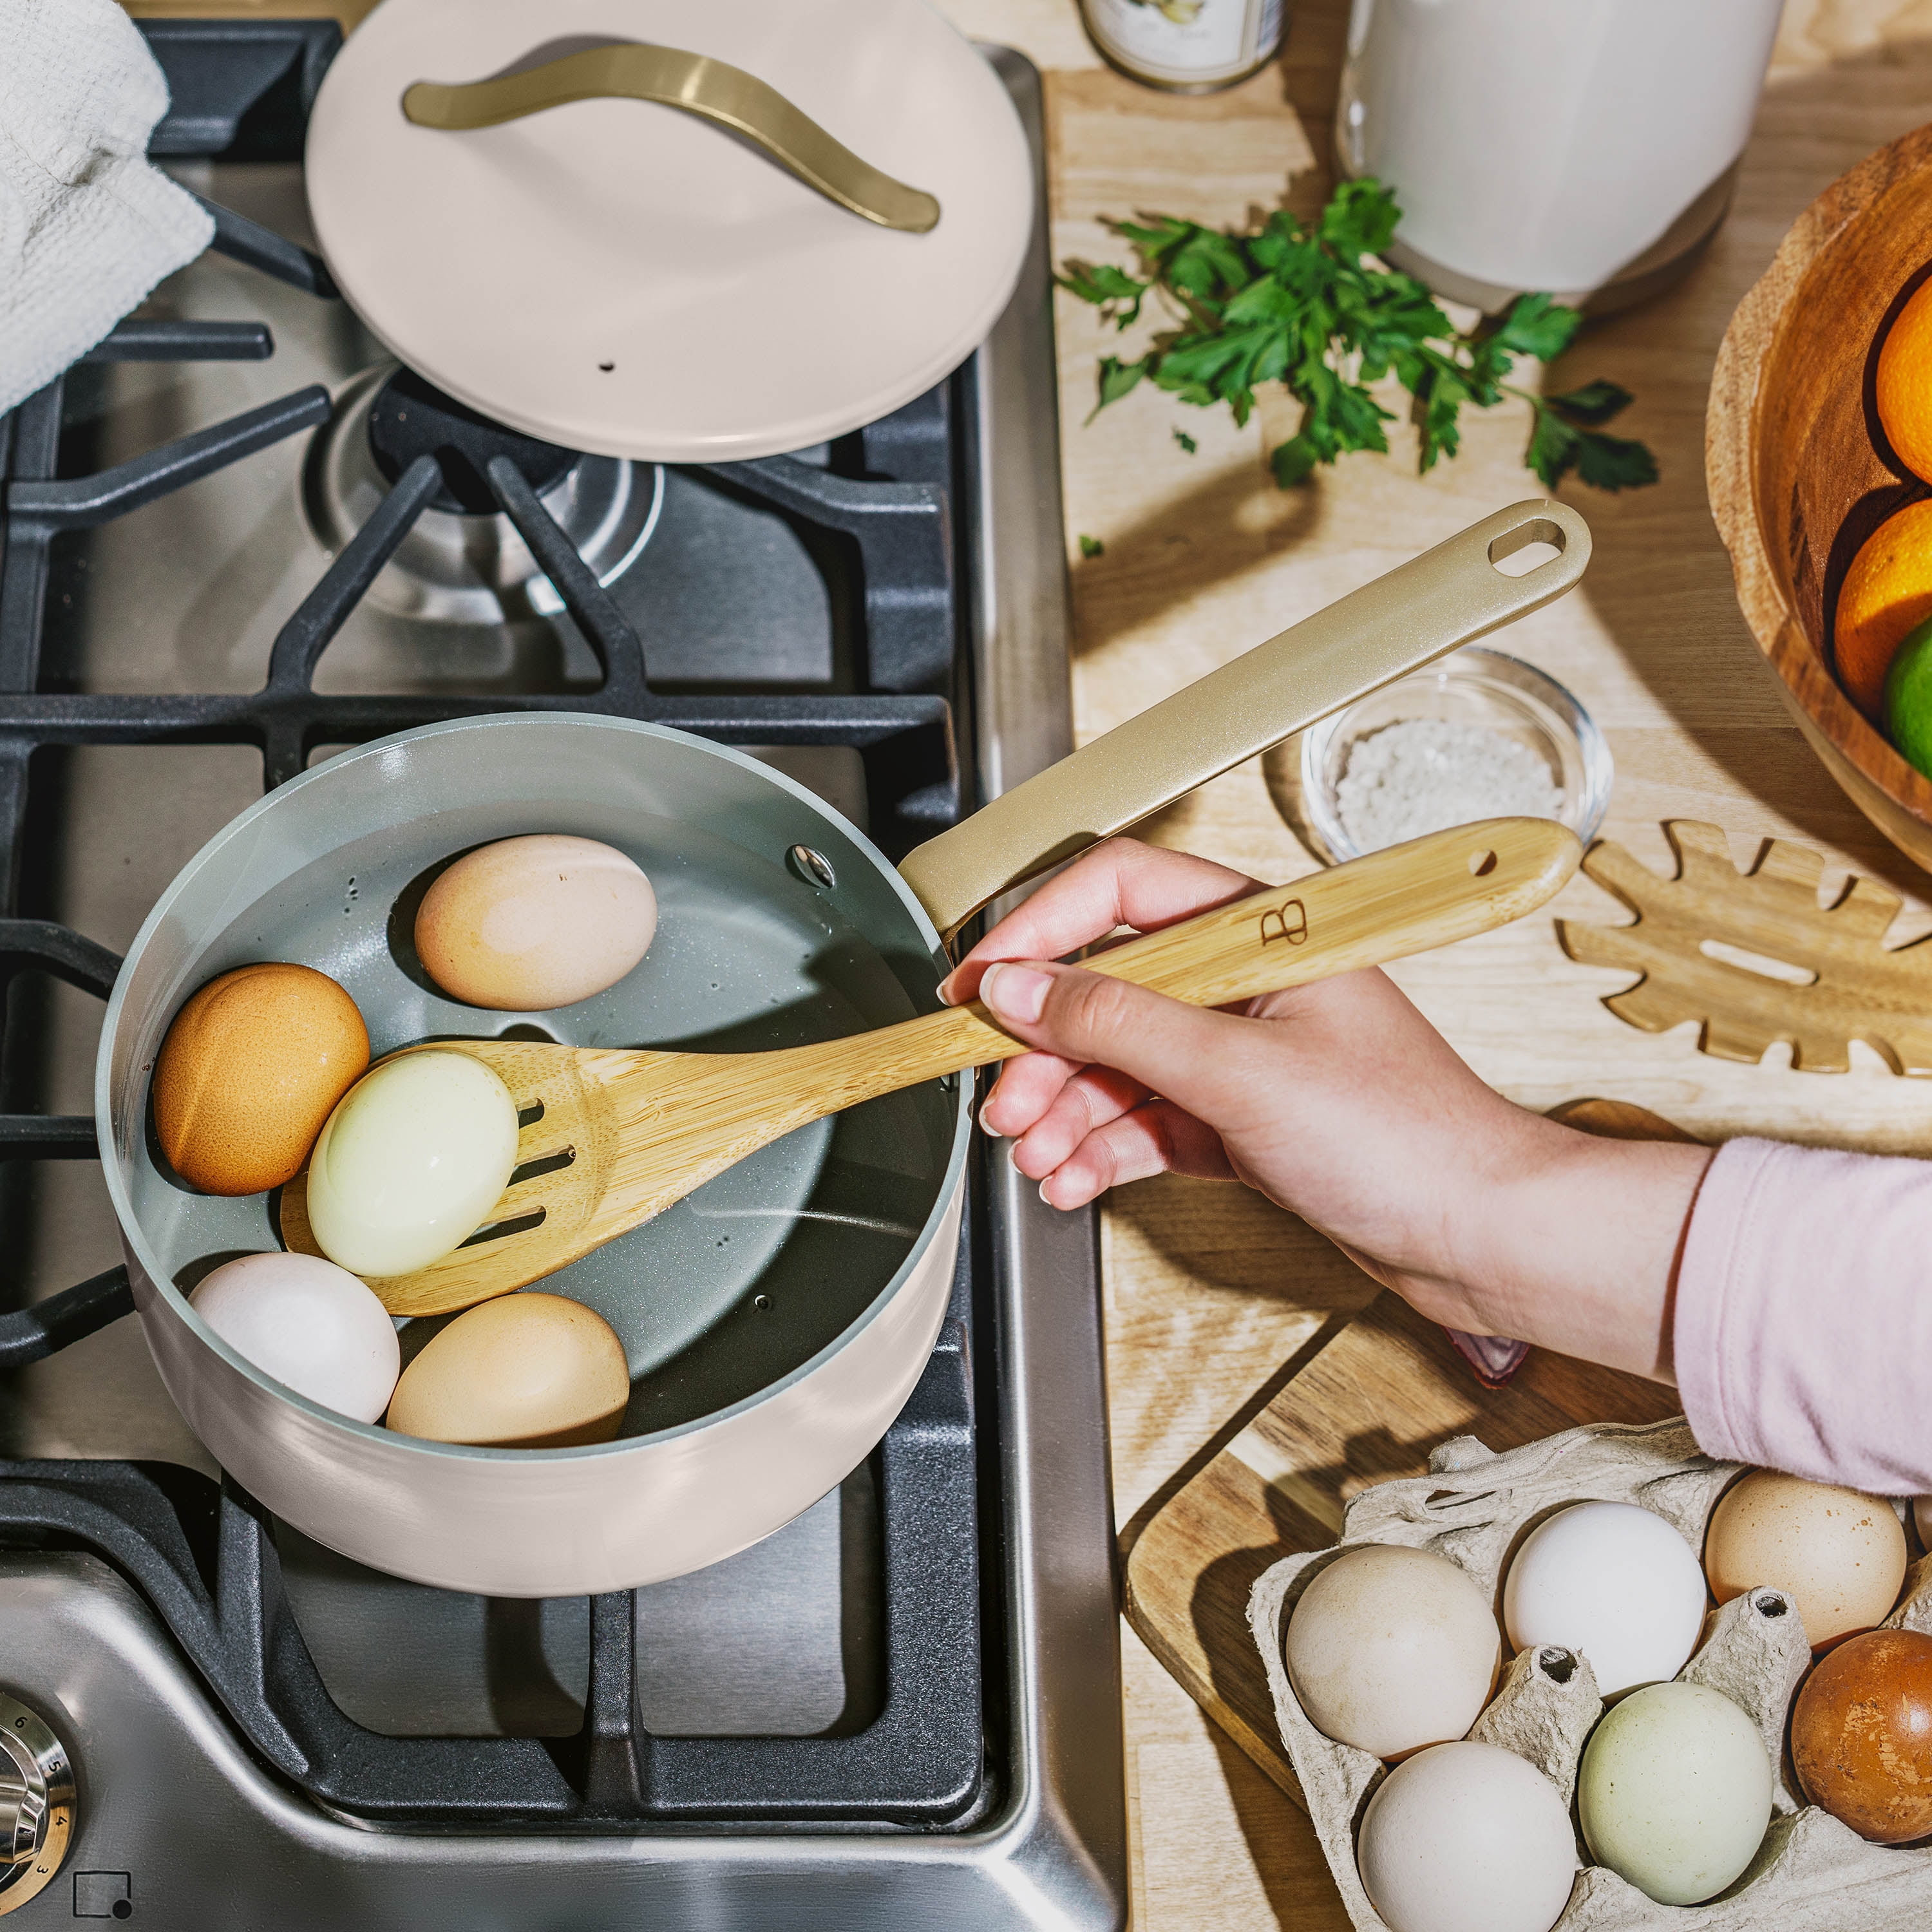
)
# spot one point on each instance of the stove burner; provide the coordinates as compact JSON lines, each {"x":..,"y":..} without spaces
{"x":411,"y":417}
{"x":460,"y":565}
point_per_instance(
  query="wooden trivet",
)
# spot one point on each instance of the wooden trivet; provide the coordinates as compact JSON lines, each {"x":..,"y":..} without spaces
{"x":1857,"y":989}
{"x":1370,"y":1404}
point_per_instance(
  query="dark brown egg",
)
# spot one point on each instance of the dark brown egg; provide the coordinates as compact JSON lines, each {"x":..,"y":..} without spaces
{"x":1861,"y":1735}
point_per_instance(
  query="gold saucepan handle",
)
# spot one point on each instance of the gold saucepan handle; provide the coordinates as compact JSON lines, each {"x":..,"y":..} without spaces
{"x":708,"y":88}
{"x":1447,"y":597}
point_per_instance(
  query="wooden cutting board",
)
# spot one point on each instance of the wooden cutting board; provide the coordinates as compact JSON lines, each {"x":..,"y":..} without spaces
{"x":1368,"y":1404}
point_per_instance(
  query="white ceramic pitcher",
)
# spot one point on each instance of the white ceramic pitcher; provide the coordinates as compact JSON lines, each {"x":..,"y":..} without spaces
{"x":1585,"y":148}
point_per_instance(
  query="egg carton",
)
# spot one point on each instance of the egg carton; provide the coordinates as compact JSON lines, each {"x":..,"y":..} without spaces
{"x":1811,"y":1874}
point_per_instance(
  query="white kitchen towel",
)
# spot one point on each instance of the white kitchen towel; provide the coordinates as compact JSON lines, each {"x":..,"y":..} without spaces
{"x":88,"y":226}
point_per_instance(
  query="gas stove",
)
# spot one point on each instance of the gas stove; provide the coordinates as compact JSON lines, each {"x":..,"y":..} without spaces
{"x":236,"y":538}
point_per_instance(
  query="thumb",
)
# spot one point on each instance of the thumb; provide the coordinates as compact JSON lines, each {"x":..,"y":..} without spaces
{"x":1184,"y":1053}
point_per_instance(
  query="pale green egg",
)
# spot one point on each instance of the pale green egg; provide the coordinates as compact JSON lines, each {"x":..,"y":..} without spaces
{"x":1674,"y":1793}
{"x":415,"y":1155}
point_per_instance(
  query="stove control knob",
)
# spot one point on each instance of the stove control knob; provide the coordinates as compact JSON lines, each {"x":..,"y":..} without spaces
{"x":37,"y":1809}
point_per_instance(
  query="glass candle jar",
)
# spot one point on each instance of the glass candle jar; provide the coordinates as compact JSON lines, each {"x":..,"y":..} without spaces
{"x":1584,"y":148}
{"x":1187,"y":47}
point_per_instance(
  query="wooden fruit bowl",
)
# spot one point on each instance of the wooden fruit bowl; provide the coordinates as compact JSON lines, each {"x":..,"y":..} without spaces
{"x":1799,"y":471}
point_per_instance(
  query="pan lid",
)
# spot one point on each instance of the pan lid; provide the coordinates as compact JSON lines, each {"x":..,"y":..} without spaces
{"x":658,"y":256}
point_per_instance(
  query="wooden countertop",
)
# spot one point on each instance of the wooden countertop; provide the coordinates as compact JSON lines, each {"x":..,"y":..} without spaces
{"x":1210,"y":1289}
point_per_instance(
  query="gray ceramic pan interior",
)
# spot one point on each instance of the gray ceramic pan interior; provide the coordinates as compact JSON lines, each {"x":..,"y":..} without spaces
{"x":737,"y":1286}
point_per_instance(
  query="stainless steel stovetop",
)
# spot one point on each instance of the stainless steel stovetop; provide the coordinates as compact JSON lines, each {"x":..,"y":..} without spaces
{"x":179,"y":1823}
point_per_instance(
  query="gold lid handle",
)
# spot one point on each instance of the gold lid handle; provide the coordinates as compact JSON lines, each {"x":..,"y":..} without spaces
{"x":694,"y":82}
{"x":1447,"y":597}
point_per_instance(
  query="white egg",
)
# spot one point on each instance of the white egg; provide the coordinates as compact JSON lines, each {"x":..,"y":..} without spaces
{"x":309,"y":1324}
{"x":1674,"y":1792}
{"x":1613,"y":1581}
{"x":410,"y":1163}
{"x":1467,"y":1837}
{"x":1391,"y":1648}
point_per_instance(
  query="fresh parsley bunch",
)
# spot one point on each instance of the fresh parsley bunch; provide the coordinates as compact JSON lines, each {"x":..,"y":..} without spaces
{"x":1311,"y":309}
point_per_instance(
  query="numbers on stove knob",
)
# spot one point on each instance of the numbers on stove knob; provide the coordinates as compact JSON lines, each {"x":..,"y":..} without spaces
{"x":36,"y":1803}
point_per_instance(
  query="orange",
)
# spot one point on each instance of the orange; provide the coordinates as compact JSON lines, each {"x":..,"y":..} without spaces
{"x":1886,"y":593}
{"x":1904,"y":388}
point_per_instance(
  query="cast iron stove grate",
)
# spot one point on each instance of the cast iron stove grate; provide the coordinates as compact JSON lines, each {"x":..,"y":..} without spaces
{"x":202,"y":1555}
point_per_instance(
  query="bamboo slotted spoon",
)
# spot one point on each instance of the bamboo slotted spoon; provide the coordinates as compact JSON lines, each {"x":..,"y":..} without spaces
{"x":612,"y":1137}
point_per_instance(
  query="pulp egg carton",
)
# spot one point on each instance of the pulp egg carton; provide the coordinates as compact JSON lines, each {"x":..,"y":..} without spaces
{"x":1811,"y":1874}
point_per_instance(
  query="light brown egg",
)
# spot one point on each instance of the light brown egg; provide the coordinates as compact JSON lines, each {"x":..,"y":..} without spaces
{"x":250,"y":1070}
{"x":528,"y":924}
{"x":525,"y":1371}
{"x":1838,"y":1554}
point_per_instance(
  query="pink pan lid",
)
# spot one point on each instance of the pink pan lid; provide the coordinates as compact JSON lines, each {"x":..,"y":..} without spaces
{"x":619,"y":277}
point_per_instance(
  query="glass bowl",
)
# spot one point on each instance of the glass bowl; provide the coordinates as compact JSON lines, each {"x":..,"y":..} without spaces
{"x":1470,"y":686}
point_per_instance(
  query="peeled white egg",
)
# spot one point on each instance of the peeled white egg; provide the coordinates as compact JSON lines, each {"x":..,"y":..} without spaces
{"x":1391,"y":1648}
{"x":1613,"y":1581}
{"x":410,"y":1163}
{"x":1674,"y":1792}
{"x":1467,"y":1837}
{"x":309,"y":1324}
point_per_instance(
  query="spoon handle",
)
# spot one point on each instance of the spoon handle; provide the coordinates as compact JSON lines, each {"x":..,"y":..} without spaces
{"x":1429,"y":893}
{"x":1408,"y":899}
{"x":1450,"y":596}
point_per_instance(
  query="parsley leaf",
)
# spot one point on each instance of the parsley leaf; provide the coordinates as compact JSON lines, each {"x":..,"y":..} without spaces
{"x":1117,"y":378}
{"x":1185,"y":441}
{"x":1312,"y":309}
{"x":1092,"y":547}
{"x":1537,"y":326}
{"x":1566,"y":435}
{"x":1593,"y":404}
{"x":1613,"y":462}
{"x":1107,"y":287}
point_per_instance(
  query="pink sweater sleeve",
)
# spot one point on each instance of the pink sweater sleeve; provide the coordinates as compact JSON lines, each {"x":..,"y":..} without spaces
{"x":1803,"y":1330}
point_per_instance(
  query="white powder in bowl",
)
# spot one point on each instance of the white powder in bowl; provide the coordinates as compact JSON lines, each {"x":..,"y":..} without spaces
{"x":1425,"y":774}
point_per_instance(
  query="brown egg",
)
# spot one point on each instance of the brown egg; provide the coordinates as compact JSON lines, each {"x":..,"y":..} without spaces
{"x":1861,"y":1735}
{"x":528,"y":924}
{"x":525,"y":1371}
{"x":250,"y":1070}
{"x":1838,"y":1554}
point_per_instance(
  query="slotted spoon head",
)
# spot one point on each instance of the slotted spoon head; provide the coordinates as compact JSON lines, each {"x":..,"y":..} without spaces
{"x":609,"y":1139}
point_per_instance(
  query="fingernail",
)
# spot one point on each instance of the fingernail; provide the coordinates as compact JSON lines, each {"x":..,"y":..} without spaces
{"x":987,"y":1128}
{"x":1016,"y":992}
{"x":1042,"y":1192}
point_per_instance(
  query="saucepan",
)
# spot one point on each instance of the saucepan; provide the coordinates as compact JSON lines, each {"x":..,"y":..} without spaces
{"x":776,"y":1320}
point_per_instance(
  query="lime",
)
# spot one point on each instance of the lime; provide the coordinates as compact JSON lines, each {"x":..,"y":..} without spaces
{"x":1908,"y":697}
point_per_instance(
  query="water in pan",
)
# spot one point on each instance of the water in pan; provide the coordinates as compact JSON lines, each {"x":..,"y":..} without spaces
{"x":763,"y":1267}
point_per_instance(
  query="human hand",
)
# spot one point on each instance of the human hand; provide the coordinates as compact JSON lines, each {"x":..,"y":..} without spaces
{"x":1336,"y":1099}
